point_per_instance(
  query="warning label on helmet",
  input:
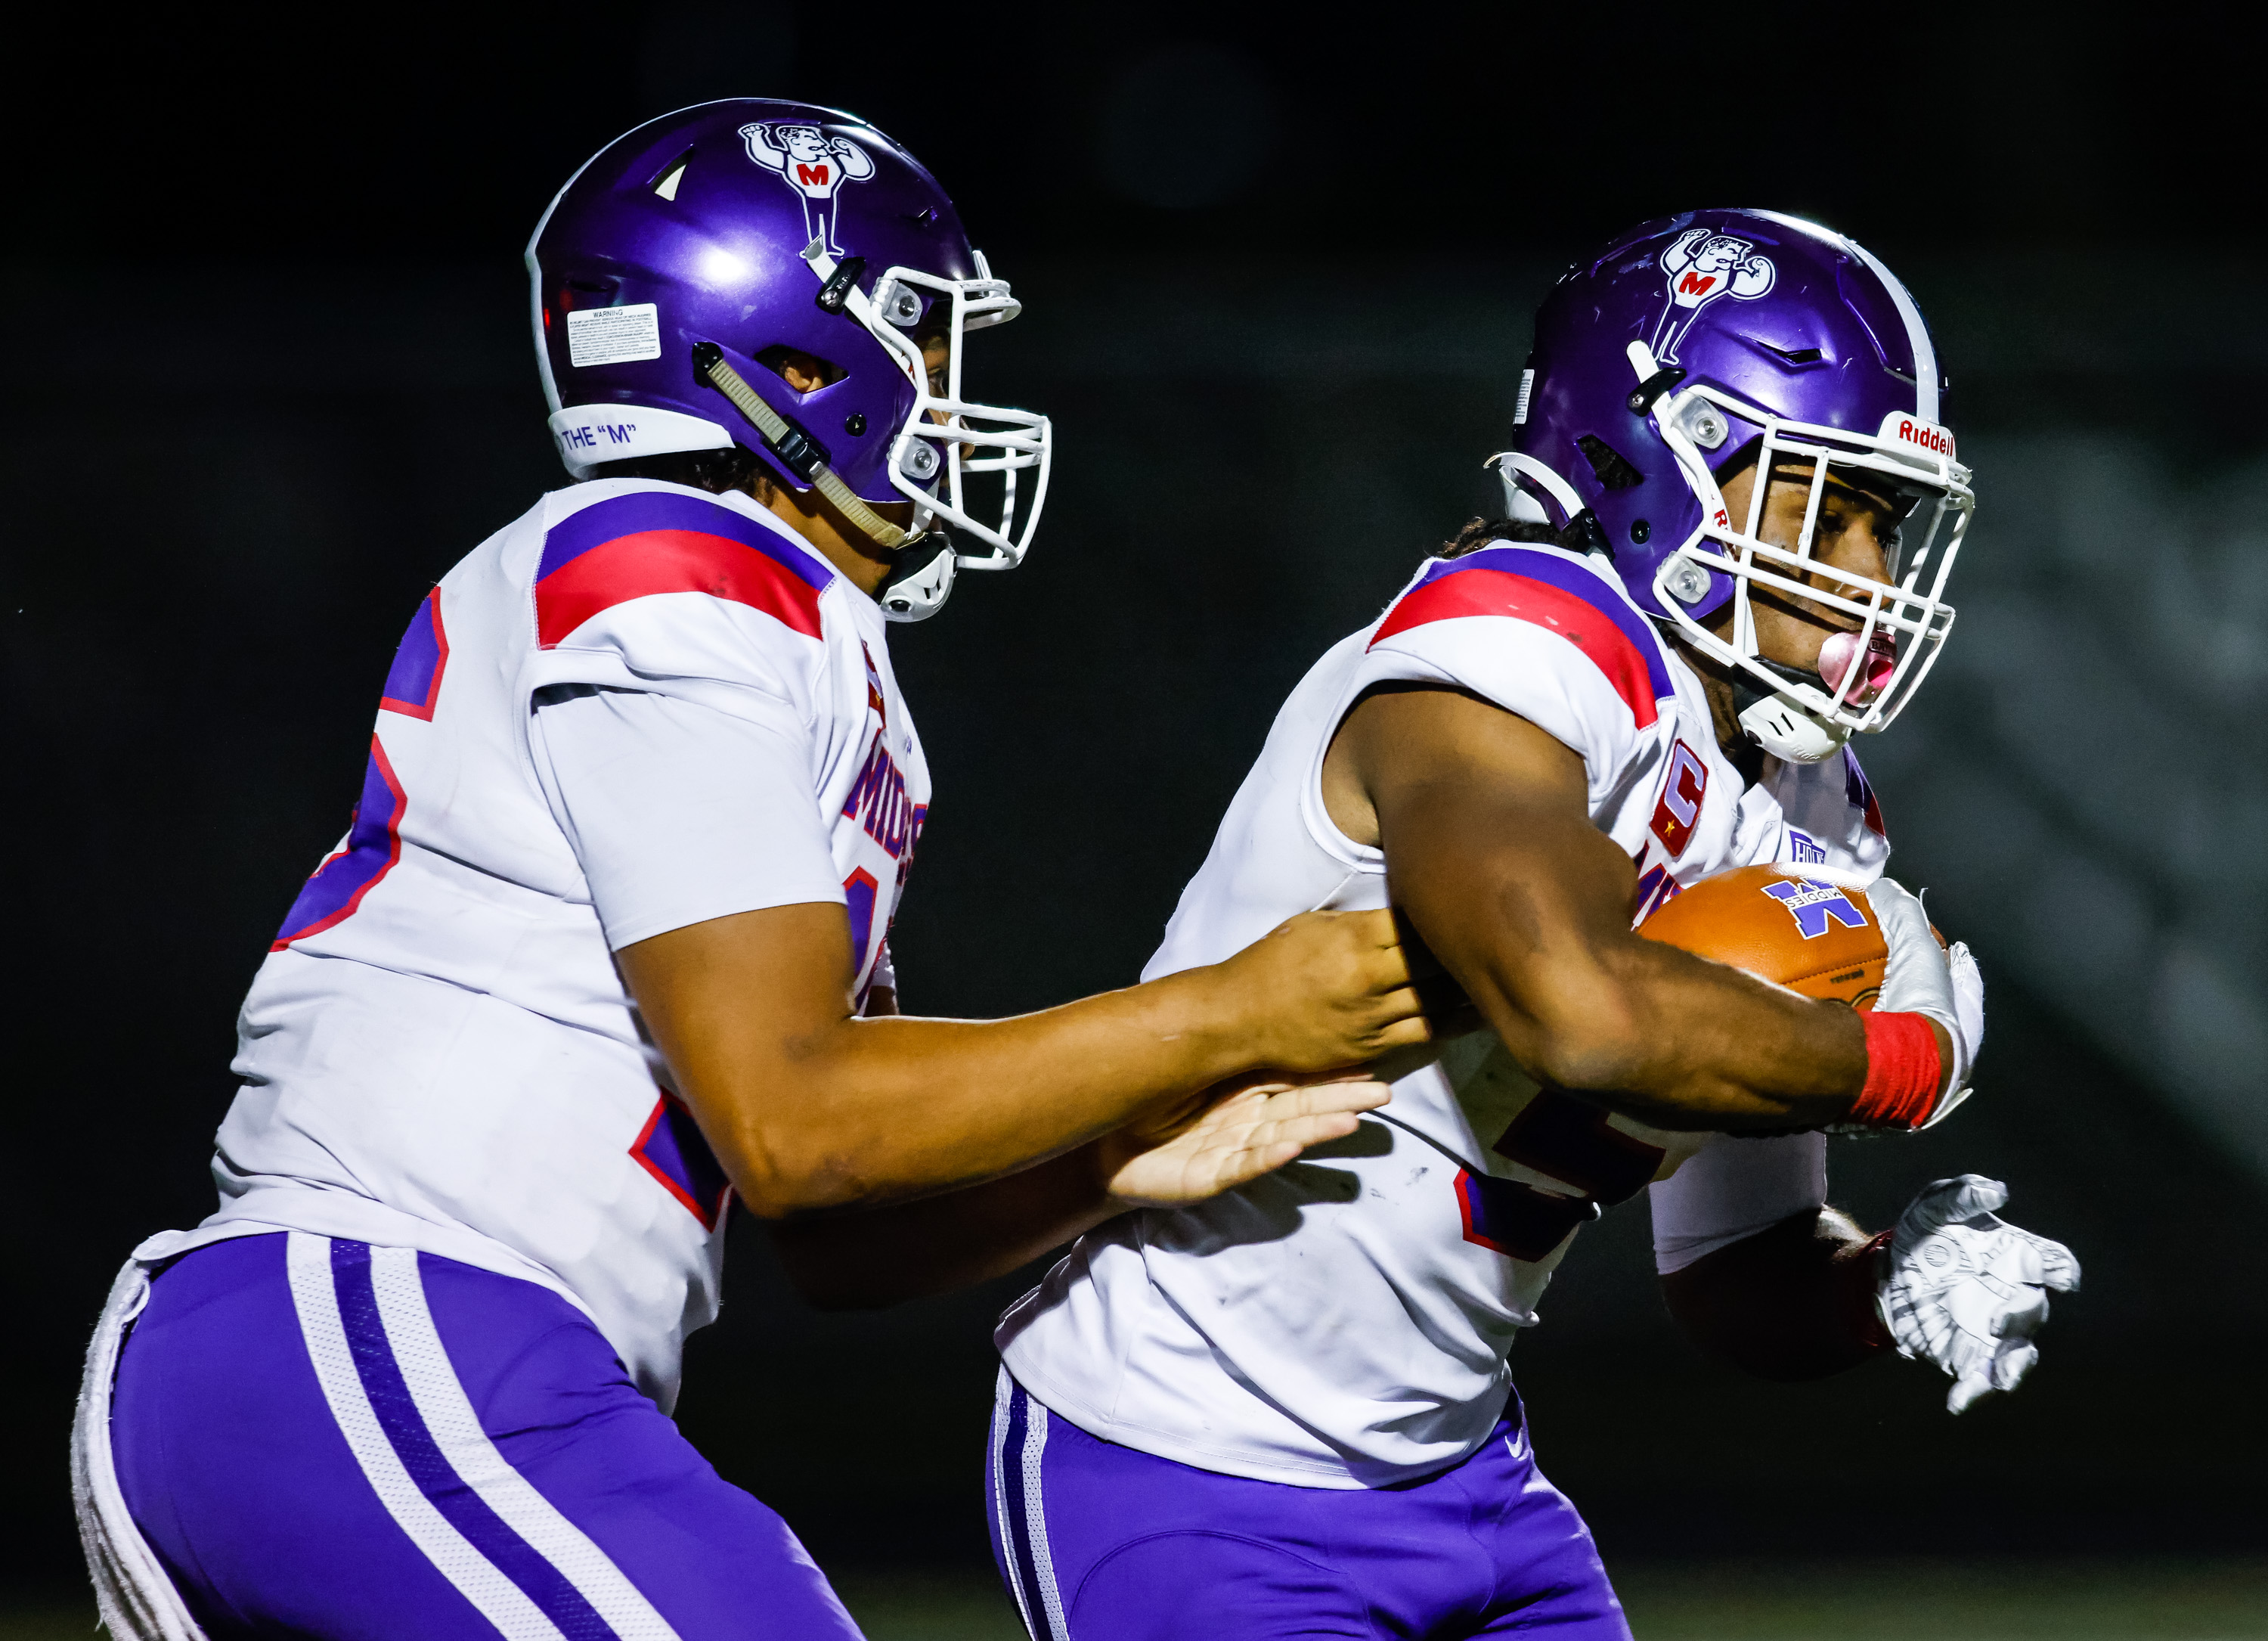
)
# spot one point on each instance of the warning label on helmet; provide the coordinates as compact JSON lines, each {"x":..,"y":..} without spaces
{"x":604,"y":335}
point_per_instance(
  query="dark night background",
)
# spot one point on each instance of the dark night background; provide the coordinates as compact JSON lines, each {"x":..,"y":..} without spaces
{"x":269,"y":377}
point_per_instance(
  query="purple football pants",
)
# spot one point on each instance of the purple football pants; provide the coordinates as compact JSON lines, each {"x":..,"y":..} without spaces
{"x":323,"y":1438}
{"x":1100,"y":1543}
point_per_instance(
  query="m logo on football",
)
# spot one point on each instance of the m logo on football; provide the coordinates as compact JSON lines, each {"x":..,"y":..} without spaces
{"x":1815,"y":906}
{"x":1702,"y":266}
{"x":814,"y":164}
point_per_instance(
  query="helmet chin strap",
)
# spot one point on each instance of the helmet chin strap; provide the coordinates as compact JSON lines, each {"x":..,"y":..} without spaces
{"x":798,"y":451}
{"x":921,"y":580}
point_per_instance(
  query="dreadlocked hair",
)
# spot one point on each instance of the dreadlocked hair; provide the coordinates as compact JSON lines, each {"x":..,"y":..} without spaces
{"x":1479,"y":532}
{"x":715,"y":472}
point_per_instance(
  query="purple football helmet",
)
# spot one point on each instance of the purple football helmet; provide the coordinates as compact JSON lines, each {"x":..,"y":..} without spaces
{"x":1689,"y":345}
{"x":687,"y":258}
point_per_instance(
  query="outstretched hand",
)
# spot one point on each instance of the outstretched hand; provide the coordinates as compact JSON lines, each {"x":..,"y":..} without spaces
{"x":1968,"y":1290}
{"x":1229,"y":1136}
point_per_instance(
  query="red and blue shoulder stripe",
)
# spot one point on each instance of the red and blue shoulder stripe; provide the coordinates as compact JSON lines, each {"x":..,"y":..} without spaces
{"x":1552,"y":592}
{"x":653,"y":542}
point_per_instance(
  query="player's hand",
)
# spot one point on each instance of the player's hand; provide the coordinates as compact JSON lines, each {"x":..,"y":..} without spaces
{"x":1966,"y":1291}
{"x":1919,"y":977}
{"x":1325,"y":990}
{"x":1228,"y":1136}
{"x":1969,"y":1010}
{"x":1968,"y":1000}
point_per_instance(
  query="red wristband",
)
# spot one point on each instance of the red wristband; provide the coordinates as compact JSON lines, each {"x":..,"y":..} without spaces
{"x":1903,"y":1072}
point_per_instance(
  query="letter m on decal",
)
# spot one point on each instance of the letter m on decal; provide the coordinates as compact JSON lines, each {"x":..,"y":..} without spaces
{"x":815,"y":176}
{"x":1696,"y":284}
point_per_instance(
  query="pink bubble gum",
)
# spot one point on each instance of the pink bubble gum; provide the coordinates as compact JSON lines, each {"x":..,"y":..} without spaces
{"x":1841,"y":653}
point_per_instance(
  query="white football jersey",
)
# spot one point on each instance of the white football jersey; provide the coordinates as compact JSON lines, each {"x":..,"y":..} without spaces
{"x":438,"y":1052}
{"x":1345,"y":1321}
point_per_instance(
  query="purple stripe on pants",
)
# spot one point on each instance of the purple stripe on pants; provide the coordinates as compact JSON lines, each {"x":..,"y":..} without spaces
{"x":242,"y":1481}
{"x":1144,"y":1548}
{"x":437,"y":1478}
{"x":1015,"y":1510}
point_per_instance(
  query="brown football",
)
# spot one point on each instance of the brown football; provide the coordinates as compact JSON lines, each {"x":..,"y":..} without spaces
{"x":1808,"y":935}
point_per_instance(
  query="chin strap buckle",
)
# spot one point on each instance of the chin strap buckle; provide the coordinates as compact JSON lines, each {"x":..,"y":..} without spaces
{"x":797,"y":451}
{"x":1655,"y":378}
{"x":1642,"y":397}
{"x":836,"y":287}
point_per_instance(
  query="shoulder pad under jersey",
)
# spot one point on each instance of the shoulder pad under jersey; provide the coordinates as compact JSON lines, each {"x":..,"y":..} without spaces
{"x":650,"y":541}
{"x":1554,"y":591}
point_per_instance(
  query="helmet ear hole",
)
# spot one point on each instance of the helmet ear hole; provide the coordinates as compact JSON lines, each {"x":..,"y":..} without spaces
{"x":1613,"y":468}
{"x":780,"y":358}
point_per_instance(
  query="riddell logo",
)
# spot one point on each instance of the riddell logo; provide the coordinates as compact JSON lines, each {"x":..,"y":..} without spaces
{"x":1915,"y":433}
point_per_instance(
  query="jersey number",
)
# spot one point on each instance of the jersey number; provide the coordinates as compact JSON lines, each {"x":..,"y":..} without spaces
{"x":335,"y":891}
{"x":670,"y":1147}
{"x":1673,"y":817}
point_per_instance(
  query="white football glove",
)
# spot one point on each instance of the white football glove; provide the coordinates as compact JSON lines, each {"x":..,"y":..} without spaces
{"x":1966,"y":1291}
{"x":1922,"y":977}
{"x":1969,"y":1009}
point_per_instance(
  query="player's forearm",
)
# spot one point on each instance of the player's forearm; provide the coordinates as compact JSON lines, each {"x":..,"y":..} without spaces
{"x":1668,"y":1037}
{"x":883,"y":1109}
{"x":807,"y":1107}
{"x":867,"y":1259}
{"x":1795,"y":1302}
{"x":1682,"y":1043}
{"x":1527,"y":907}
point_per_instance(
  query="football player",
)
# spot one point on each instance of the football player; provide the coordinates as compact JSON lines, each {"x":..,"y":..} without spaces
{"x":1733,"y":505}
{"x":605,"y":944}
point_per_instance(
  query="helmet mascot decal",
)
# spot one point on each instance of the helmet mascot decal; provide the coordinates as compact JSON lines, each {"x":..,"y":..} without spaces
{"x":1695,"y":346}
{"x":687,"y":258}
